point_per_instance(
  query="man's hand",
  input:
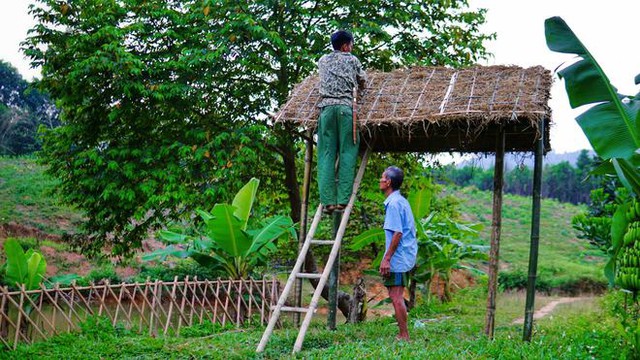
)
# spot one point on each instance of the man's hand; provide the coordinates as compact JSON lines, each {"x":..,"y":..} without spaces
{"x":385,"y":267}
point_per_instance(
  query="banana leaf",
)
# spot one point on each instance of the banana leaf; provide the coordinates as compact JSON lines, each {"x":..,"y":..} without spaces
{"x":37,"y":268}
{"x":225,"y":229}
{"x":420,"y":202}
{"x":17,"y":268}
{"x":243,"y":201}
{"x":611,"y":125}
{"x":368,"y":237}
{"x":273,"y":228}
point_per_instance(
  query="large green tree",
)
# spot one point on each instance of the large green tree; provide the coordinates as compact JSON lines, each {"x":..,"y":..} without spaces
{"x":166,"y":104}
{"x":23,"y":109}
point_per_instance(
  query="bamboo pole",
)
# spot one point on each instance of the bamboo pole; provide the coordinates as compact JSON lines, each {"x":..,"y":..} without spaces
{"x":264,"y":300}
{"x":216,"y":301}
{"x":535,"y":235}
{"x":304,"y":214}
{"x":193,"y":297}
{"x":145,"y":300}
{"x":496,"y":224}
{"x":18,"y":322}
{"x":172,"y":297}
{"x":333,"y":276}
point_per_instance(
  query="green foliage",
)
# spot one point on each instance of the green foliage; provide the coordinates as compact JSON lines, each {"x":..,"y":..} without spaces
{"x":23,"y":109}
{"x":594,"y":225}
{"x":23,"y":268}
{"x":626,"y":310}
{"x":560,"y":181}
{"x":225,"y":243}
{"x":181,"y":269}
{"x":102,"y":274}
{"x":162,"y":101}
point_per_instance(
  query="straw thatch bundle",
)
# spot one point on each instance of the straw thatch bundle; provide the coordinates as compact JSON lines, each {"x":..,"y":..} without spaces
{"x":441,"y":109}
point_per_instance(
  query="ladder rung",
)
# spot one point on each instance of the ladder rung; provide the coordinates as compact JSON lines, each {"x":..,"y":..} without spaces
{"x":294,"y":309}
{"x":323,"y":242}
{"x":308,"y":275}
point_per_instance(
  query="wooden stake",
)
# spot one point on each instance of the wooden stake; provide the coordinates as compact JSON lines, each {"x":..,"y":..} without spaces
{"x":496,"y":224}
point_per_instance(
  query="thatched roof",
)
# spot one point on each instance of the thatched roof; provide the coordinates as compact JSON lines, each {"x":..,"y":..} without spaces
{"x":440,"y":109}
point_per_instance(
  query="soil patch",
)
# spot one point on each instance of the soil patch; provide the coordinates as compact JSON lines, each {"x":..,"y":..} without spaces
{"x":13,"y":229}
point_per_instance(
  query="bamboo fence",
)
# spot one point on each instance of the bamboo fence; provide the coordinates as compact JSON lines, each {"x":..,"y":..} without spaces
{"x":155,"y":307}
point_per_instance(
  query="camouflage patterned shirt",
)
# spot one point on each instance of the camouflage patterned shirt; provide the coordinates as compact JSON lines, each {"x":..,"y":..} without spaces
{"x":340,"y":72}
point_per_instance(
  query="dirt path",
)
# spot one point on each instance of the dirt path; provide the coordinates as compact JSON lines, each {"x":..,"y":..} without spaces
{"x":547,"y":309}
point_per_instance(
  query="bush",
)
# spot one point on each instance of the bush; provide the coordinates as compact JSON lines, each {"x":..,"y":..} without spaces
{"x":102,"y":274}
{"x":181,"y":269}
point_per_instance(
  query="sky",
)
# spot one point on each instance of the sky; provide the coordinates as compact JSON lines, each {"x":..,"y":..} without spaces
{"x":607,"y":28}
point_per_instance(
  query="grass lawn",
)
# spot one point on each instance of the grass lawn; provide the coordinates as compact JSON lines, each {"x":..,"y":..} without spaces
{"x":26,"y":197}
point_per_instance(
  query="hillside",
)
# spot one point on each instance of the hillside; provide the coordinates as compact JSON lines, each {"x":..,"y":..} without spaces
{"x":563,"y":258}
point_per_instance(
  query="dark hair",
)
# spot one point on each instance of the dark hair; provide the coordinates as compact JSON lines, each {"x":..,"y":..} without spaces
{"x":340,"y":38}
{"x":396,"y":176}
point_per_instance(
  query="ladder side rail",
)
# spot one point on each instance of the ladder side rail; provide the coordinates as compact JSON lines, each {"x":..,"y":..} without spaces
{"x":332,"y":256}
{"x":292,"y":278}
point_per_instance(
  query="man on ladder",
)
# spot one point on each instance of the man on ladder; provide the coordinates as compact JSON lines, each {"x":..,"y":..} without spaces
{"x":340,"y":74}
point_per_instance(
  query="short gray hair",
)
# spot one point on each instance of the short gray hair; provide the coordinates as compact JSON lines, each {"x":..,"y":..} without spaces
{"x":396,"y":176}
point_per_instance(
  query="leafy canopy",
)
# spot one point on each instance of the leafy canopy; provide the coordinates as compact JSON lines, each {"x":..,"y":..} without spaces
{"x":164,"y":101}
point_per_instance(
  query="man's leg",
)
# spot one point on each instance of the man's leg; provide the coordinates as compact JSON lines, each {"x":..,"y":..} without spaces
{"x":396,"y":293}
{"x":348,"y":154}
{"x":327,"y":147}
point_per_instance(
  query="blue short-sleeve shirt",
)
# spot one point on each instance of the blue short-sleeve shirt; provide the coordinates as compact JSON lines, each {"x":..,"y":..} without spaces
{"x":399,"y":218}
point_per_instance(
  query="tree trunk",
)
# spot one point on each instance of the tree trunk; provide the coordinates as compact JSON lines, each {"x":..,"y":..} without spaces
{"x":358,"y":303}
{"x":291,"y":180}
{"x":412,"y":294}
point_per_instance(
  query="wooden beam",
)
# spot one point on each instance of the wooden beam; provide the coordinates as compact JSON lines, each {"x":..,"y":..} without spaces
{"x":535,"y":236}
{"x":496,"y":224}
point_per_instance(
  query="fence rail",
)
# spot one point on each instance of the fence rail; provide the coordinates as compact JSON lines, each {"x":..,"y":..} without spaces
{"x":154,"y":306}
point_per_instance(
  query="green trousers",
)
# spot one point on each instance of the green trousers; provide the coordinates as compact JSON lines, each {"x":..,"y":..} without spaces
{"x":335,"y":140}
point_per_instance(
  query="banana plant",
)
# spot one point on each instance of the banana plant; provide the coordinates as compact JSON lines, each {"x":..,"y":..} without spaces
{"x":225,"y":243}
{"x":23,"y":268}
{"x":612,"y":124}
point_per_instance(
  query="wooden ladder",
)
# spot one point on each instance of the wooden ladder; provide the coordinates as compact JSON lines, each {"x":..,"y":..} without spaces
{"x":297,"y":274}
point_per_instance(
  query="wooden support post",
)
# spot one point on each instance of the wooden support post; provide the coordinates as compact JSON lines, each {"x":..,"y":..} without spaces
{"x":304,"y":210}
{"x":333,"y":276}
{"x":535,"y":235}
{"x":496,"y":223}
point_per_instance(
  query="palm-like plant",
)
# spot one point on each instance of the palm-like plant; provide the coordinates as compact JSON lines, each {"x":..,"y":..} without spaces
{"x":612,"y":124}
{"x":225,"y":243}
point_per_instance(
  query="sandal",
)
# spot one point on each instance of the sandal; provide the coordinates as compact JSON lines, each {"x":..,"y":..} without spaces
{"x":328,"y":209}
{"x":340,"y":207}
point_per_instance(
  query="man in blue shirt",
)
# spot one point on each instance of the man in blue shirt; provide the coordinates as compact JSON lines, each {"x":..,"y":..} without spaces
{"x":401,"y":244}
